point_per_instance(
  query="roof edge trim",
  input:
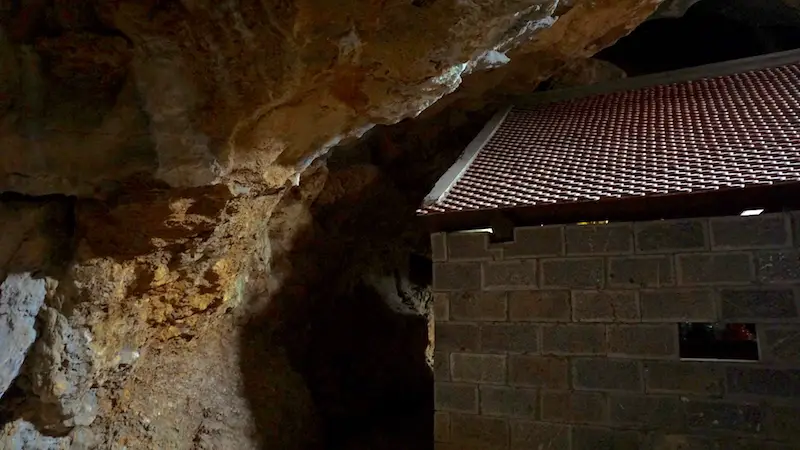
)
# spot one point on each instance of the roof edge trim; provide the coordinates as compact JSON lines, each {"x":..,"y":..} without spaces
{"x":454,"y":173}
{"x":663,"y":78}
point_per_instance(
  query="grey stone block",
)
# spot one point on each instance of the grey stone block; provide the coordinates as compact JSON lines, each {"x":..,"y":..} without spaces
{"x":535,"y":242}
{"x":740,"y":443}
{"x":479,"y":430}
{"x":671,"y":235}
{"x":607,"y":374}
{"x":441,"y":366}
{"x":606,"y":239}
{"x":478,"y":306}
{"x":574,"y":407}
{"x":438,"y":247}
{"x":455,"y":397}
{"x":714,"y":268}
{"x":478,"y":368}
{"x":605,"y":306}
{"x":573,"y":273}
{"x":526,"y":435}
{"x":764,"y":382}
{"x":719,"y":416}
{"x":641,"y":271}
{"x":585,"y":438}
{"x":452,"y":276}
{"x":781,"y":344}
{"x":757,"y":304}
{"x":456,"y":336}
{"x":468,"y":247}
{"x":533,"y":306}
{"x":779,"y":266}
{"x":783,"y":423}
{"x":509,"y":274}
{"x":441,"y":307}
{"x":795,"y":218}
{"x":513,"y":337}
{"x":545,"y":372}
{"x":508,"y":401}
{"x":677,"y":305}
{"x":645,"y":341}
{"x":441,"y":427}
{"x":653,"y":412}
{"x":768,"y":230}
{"x":574,"y":339}
{"x":684,"y":377}
{"x":675,"y":441}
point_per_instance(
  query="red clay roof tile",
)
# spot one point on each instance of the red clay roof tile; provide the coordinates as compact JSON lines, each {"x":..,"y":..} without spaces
{"x":724,"y":132}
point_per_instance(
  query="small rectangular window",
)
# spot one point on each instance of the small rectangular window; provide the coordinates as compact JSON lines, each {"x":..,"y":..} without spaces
{"x":718,"y":341}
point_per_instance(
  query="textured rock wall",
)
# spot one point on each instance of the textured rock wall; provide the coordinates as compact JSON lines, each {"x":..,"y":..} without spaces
{"x":213,"y":283}
{"x":20,"y":300}
{"x":194,"y":92}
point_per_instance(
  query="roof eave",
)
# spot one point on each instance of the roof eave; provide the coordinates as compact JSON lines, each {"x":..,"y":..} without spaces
{"x":458,"y":168}
{"x":719,"y":202}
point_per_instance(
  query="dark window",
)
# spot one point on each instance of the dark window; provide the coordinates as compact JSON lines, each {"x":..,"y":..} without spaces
{"x":730,"y":341}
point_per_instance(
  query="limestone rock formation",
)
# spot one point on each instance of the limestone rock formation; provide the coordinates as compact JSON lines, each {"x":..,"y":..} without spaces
{"x":207,"y":273}
{"x":195,"y":92}
{"x":21,"y":297}
{"x":29,"y":253}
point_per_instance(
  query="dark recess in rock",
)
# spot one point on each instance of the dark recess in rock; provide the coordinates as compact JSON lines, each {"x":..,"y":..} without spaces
{"x":710,"y":31}
{"x":420,"y":271}
{"x":364,"y":364}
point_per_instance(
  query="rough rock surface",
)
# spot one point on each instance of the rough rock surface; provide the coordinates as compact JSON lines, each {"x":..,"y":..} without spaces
{"x":21,"y":297}
{"x":22,"y":435}
{"x":585,"y":72}
{"x":672,"y":9}
{"x":193,"y":92}
{"x":29,"y":253}
{"x":219,"y":279}
{"x":59,"y":375}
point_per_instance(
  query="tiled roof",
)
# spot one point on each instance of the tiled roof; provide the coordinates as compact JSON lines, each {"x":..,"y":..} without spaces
{"x":731,"y":131}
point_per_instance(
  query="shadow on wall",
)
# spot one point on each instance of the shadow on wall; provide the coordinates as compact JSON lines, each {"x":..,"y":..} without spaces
{"x":363,"y":364}
{"x":369,"y":385}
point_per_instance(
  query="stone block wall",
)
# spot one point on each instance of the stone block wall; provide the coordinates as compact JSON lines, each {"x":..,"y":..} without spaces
{"x":567,"y":337}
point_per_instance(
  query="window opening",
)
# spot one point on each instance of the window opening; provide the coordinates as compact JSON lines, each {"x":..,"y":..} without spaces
{"x":718,"y":341}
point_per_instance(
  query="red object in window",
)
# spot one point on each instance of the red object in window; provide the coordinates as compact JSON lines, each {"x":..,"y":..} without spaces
{"x":738,"y":332}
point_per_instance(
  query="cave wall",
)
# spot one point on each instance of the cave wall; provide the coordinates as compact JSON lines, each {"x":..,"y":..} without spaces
{"x":220,"y":278}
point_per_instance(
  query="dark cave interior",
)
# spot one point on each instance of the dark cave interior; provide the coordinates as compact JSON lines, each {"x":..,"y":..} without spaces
{"x":710,"y":31}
